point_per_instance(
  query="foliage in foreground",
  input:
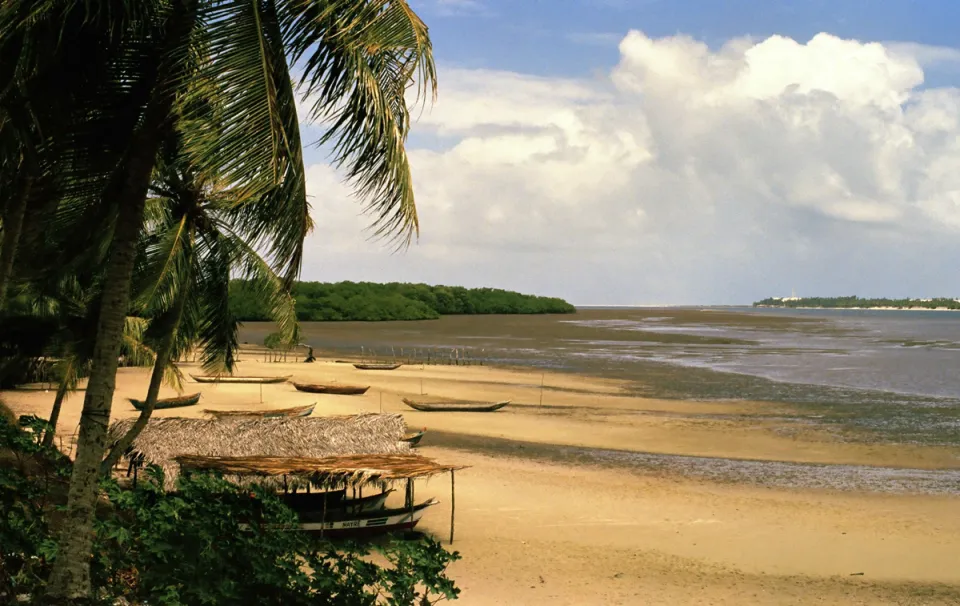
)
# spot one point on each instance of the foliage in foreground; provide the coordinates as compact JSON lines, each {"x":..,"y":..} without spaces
{"x":368,"y":301}
{"x":210,"y":542}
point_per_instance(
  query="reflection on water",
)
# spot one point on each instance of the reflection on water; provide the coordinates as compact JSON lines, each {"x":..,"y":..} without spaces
{"x":876,"y":375}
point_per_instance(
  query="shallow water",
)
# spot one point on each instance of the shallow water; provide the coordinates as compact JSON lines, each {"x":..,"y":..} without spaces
{"x":871,"y":375}
{"x":859,"y":478}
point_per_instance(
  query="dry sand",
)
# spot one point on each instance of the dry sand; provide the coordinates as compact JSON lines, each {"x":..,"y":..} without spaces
{"x":536,"y":531}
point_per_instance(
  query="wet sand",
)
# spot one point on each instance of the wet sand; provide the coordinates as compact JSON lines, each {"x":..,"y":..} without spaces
{"x":541,"y":522}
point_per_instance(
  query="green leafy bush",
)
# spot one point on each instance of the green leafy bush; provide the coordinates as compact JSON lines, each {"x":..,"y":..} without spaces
{"x":32,"y":477}
{"x":367,"y":301}
{"x":209,"y":542}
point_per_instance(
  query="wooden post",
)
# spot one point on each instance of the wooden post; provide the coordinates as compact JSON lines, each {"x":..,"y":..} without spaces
{"x":541,"y":390}
{"x":261,"y":393}
{"x":453,"y":504}
{"x":410,"y":485}
{"x":323,"y":522}
{"x":381,"y":400}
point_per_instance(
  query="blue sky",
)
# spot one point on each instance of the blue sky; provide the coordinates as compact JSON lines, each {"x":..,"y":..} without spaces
{"x":627,"y":152}
{"x":576,"y":37}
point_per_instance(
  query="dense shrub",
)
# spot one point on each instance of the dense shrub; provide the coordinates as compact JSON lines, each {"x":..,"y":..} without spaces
{"x":366,"y":301}
{"x":210,"y":542}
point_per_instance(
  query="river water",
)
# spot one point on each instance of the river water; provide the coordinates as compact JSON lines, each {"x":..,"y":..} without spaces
{"x":871,"y":375}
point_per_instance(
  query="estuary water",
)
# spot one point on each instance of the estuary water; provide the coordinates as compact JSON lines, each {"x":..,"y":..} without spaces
{"x":874,"y":374}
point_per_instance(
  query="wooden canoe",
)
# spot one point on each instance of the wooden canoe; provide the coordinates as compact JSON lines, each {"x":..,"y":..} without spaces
{"x":296,"y":411}
{"x":455,"y":406}
{"x":337,"y":505}
{"x":366,"y":523}
{"x":414,"y":438}
{"x":232,"y":379}
{"x":377,"y":366}
{"x":332,"y":388}
{"x":188,"y":400}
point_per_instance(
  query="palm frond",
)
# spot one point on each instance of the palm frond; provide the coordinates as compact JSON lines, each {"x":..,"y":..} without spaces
{"x":133,"y":345}
{"x":358,"y":59}
{"x":241,"y":74}
{"x":247,"y":264}
{"x":216,"y":326}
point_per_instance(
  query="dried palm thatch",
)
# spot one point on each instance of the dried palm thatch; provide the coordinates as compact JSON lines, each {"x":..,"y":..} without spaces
{"x":346,"y":470}
{"x":164,"y":439}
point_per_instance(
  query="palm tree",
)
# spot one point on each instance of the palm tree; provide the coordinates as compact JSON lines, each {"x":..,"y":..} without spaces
{"x":192,"y":249}
{"x":356,"y":58}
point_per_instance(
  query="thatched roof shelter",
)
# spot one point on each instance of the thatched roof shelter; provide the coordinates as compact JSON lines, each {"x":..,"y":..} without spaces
{"x":345,"y":470}
{"x":162,"y":440}
{"x":350,"y":470}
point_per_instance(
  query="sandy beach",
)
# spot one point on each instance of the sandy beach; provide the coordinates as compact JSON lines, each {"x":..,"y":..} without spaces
{"x":537,"y":523}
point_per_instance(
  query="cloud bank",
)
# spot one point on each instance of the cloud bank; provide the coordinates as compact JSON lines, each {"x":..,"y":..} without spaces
{"x":683,"y":175}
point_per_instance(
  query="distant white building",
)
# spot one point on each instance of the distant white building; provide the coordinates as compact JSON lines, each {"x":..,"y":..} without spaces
{"x":793,"y":296}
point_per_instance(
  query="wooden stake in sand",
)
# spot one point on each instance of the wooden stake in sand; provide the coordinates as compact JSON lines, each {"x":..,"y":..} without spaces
{"x":452,"y":505}
{"x":541,"y":390}
{"x":261,"y":393}
{"x":381,"y":401}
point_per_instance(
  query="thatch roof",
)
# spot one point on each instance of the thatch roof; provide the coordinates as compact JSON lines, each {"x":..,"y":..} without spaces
{"x":164,"y":439}
{"x":353,"y":470}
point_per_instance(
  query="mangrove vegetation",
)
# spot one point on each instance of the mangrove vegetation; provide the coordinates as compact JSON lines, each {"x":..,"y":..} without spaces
{"x":368,"y":301}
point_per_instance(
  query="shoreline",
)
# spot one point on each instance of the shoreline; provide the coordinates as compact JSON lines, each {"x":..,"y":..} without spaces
{"x":857,"y":308}
{"x":543,"y":518}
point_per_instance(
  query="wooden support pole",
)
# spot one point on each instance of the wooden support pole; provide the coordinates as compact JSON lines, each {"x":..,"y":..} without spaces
{"x":541,"y":390}
{"x":453,"y":504}
{"x":324,"y":521}
{"x":410,"y":484}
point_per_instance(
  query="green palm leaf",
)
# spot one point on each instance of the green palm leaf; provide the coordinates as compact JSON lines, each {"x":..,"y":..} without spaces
{"x":358,"y":58}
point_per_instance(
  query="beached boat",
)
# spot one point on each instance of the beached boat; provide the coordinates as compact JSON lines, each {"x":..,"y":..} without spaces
{"x":188,"y":400}
{"x":367,"y":523}
{"x":332,"y":388}
{"x":238,"y":379}
{"x":355,"y":470}
{"x":413,"y":438}
{"x":377,"y":366}
{"x":455,"y":406}
{"x":336,"y":502}
{"x":296,"y":411}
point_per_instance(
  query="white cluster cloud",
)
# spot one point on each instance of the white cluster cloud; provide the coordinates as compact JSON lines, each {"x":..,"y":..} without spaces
{"x":686,"y":175}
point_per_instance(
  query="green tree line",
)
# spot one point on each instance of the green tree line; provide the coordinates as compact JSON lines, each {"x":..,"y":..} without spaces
{"x":857,"y":302}
{"x":369,"y":301}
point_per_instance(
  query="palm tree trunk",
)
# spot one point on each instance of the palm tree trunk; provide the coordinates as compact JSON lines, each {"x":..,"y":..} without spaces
{"x":159,"y":366}
{"x":55,"y":413}
{"x":70,"y":577}
{"x":12,"y":226}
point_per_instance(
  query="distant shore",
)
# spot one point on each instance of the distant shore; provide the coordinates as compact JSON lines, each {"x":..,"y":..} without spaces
{"x":859,"y":308}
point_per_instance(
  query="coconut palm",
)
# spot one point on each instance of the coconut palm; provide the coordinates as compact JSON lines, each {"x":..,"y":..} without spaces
{"x":356,"y":59}
{"x":192,"y":249}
